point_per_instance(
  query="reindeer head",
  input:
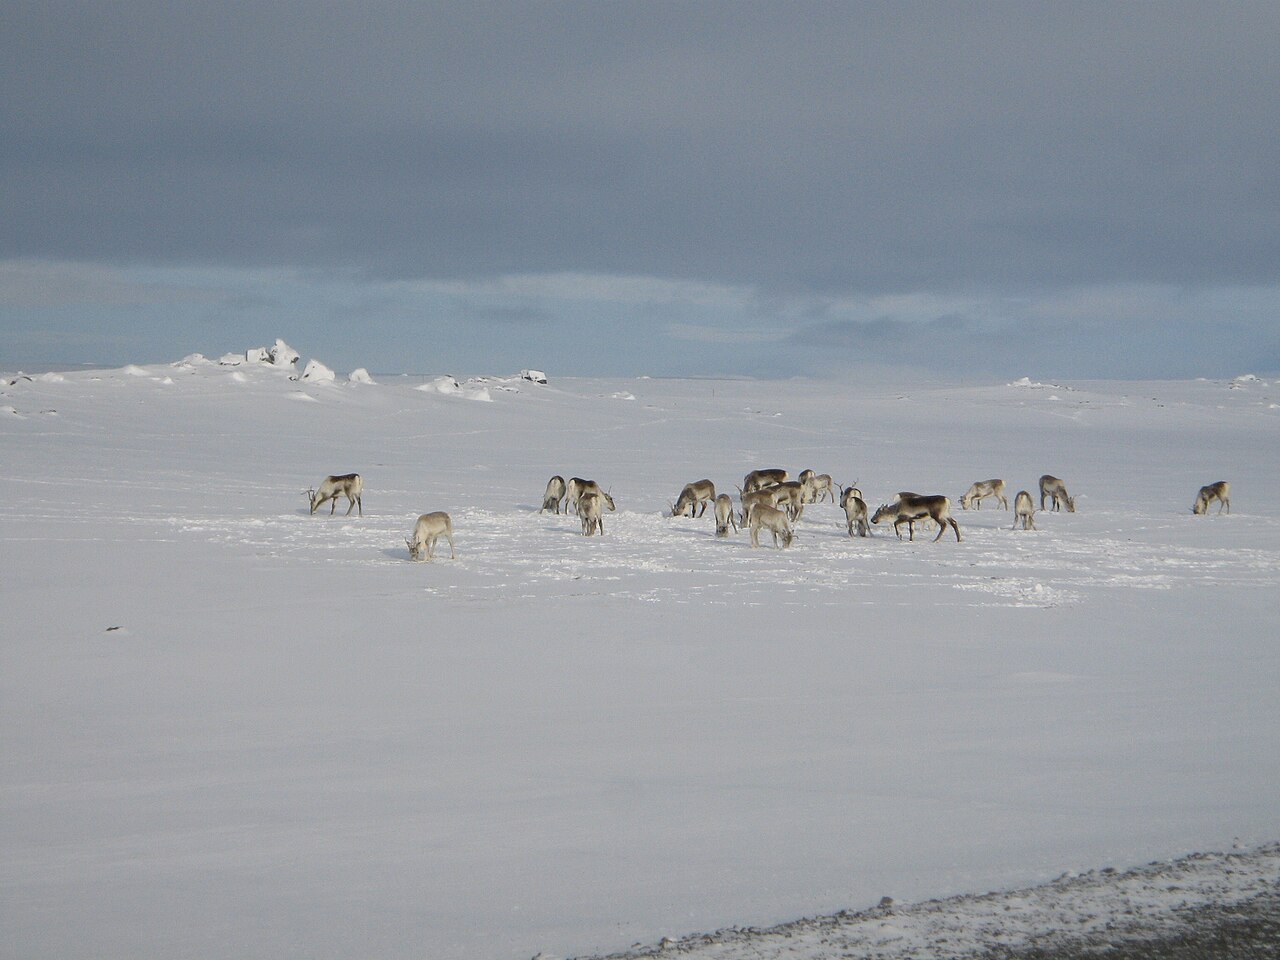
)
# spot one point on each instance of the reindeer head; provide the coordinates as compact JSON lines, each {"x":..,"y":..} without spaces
{"x":310,"y":494}
{"x":415,"y":548}
{"x":609,"y":500}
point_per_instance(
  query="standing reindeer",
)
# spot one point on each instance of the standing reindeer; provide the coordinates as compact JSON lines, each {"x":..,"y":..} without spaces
{"x":724,"y":515}
{"x":908,"y":509}
{"x":981,"y":490}
{"x":1051,"y":486}
{"x":1220,"y":491}
{"x":577,"y":488}
{"x":591,"y":511}
{"x":818,"y":487}
{"x":1024,"y":511}
{"x":555,"y":493}
{"x":767,"y":477}
{"x":694,"y":497}
{"x":773,"y":520}
{"x":430,"y":528}
{"x":348,"y":485}
{"x":855,"y":512}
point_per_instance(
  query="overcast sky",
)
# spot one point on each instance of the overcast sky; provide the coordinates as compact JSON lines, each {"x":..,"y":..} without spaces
{"x":1065,"y":189}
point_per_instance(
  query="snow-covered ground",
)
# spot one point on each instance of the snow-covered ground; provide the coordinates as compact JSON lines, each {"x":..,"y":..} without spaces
{"x":231,"y":728}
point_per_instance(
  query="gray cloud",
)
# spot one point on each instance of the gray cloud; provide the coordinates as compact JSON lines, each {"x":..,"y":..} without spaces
{"x":870,"y":146}
{"x":807,"y":153}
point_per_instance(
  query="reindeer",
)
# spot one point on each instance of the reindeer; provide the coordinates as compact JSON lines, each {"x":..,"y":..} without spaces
{"x":724,"y":515}
{"x":983,"y":489}
{"x":759,"y":479}
{"x":908,"y":509}
{"x":1023,"y":511}
{"x":555,"y":493}
{"x":591,"y":510}
{"x":1051,"y":486}
{"x":577,"y":487}
{"x":348,"y":485}
{"x":1220,"y":491}
{"x":753,"y":498}
{"x":694,"y":496}
{"x":818,"y":487}
{"x":855,"y":511}
{"x":790,"y":495}
{"x":773,"y":520}
{"x":430,"y":528}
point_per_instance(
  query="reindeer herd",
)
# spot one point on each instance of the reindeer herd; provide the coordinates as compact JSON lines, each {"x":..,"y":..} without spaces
{"x":769,"y":500}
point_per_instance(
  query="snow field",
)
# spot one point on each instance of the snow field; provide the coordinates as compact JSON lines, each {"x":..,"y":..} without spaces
{"x":301,"y":743}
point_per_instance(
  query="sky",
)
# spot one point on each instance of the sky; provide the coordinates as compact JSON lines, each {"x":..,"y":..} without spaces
{"x":1070,"y":190}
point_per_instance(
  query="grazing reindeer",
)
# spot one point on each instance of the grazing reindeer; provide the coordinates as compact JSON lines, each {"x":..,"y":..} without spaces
{"x":1051,"y":486}
{"x":773,"y":520}
{"x":1220,"y":491}
{"x":1023,"y":511}
{"x":855,"y":512}
{"x":753,"y":498}
{"x":555,"y":493}
{"x":818,"y":487}
{"x":908,"y":509}
{"x":724,"y":515}
{"x":430,"y":528}
{"x":790,"y":496}
{"x":759,"y":479}
{"x":983,"y":489}
{"x":348,"y":485}
{"x":591,"y":511}
{"x":694,"y":496}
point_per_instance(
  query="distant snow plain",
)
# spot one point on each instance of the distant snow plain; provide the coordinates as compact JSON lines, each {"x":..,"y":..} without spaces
{"x":231,"y":728}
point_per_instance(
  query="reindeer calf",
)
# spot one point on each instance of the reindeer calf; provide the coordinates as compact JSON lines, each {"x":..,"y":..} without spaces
{"x":1023,"y":511}
{"x":430,"y":528}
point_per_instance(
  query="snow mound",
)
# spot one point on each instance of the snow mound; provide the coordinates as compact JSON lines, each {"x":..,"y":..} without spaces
{"x":1248,"y":378}
{"x":359,"y":375}
{"x":51,"y":378}
{"x":317,"y":372}
{"x":257,"y":355}
{"x":231,"y":360}
{"x":450,"y":387}
{"x":305,"y":397}
{"x":533,"y":376}
{"x":193,"y":360}
{"x":12,"y":411}
{"x":446,"y":385}
{"x":133,"y":370}
{"x":283,"y":355}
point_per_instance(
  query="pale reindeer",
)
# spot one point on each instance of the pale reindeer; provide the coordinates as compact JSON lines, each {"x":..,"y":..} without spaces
{"x":1051,"y":486}
{"x":1220,"y":491}
{"x":818,"y":487}
{"x":724,"y":515}
{"x":908,"y":509}
{"x":764,"y":517}
{"x":556,"y":490}
{"x":855,"y":512}
{"x":591,"y":510}
{"x":430,"y":528}
{"x":766,"y":477}
{"x":348,"y":485}
{"x":694,"y":497}
{"x":981,"y":491}
{"x":1024,"y":510}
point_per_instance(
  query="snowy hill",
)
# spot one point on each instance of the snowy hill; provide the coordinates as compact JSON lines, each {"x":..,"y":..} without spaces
{"x":232,"y":728}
